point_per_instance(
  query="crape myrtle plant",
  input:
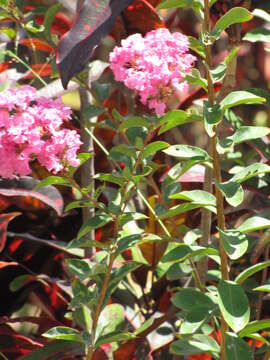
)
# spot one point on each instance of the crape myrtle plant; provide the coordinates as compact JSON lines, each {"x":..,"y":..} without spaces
{"x":215,"y":309}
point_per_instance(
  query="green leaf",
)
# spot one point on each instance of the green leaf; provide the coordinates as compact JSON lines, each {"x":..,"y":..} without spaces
{"x":95,"y":222}
{"x":263,"y":288}
{"x":236,"y":98}
{"x":48,"y":19}
{"x":196,"y":46}
{"x":111,"y":318}
{"x":250,"y":171}
{"x":34,"y":28}
{"x":84,"y":268}
{"x":233,"y":304}
{"x":196,"y":345}
{"x":234,"y":242}
{"x":63,"y":333}
{"x":126,"y":242}
{"x":187,"y":152}
{"x":85,"y":243}
{"x":189,"y":298}
{"x":3,"y":14}
{"x":112,"y":178}
{"x":253,"y":224}
{"x":169,"y":4}
{"x":197,"y":196}
{"x":211,"y":116}
{"x":78,"y":268}
{"x":11,"y":33}
{"x":219,"y":72}
{"x":101,"y":90}
{"x":114,"y":337}
{"x":172,"y":119}
{"x":236,"y":15}
{"x":118,"y":275}
{"x":245,"y":133}
{"x":53,"y":180}
{"x":124,"y":149}
{"x":134,"y":121}
{"x":82,"y":295}
{"x":245,"y":274}
{"x":258,"y":34}
{"x":195,"y":78}
{"x":236,"y":348}
{"x":183,"y":251}
{"x":261,"y":92}
{"x":82,"y":316}
{"x":261,"y":14}
{"x":232,"y":191}
{"x":20,"y":281}
{"x":194,"y":319}
{"x":255,"y":326}
{"x":78,"y":204}
{"x":182,"y":208}
{"x":91,"y":111}
{"x":131,"y":216}
{"x":152,"y":148}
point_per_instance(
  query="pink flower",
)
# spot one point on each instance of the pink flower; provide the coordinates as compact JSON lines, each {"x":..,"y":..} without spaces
{"x":31,"y":127}
{"x":153,"y":66}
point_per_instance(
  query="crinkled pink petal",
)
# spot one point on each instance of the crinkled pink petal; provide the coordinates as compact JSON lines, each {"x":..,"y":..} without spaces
{"x":153,"y":65}
{"x":31,"y":127}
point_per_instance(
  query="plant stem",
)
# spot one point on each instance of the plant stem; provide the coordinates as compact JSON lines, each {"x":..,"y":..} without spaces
{"x":217,"y":170}
{"x":215,"y":155}
{"x":267,"y":354}
{"x":88,"y":169}
{"x":206,"y":220}
{"x":99,"y":306}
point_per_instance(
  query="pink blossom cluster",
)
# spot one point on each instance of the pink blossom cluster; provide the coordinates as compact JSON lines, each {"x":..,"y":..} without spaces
{"x":31,"y":127}
{"x":153,"y":66}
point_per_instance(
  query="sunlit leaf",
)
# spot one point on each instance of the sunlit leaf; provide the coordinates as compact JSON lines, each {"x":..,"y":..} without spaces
{"x":63,"y":333}
{"x":233,"y":304}
{"x":245,"y":274}
{"x":254,"y":223}
{"x":235,"y":15}
{"x":236,"y":98}
{"x":254,"y":327}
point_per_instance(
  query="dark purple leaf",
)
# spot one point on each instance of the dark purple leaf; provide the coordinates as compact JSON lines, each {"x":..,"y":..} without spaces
{"x":15,"y":345}
{"x":4,"y":220}
{"x":94,"y":21}
{"x":25,"y":186}
{"x":57,"y":245}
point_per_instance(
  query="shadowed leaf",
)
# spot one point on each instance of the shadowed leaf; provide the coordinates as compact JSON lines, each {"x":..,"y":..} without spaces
{"x":24,"y":187}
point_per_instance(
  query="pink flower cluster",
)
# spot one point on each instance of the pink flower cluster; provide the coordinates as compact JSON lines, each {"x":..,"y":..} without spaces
{"x":31,"y":127}
{"x":154,"y":66}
